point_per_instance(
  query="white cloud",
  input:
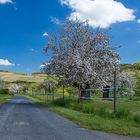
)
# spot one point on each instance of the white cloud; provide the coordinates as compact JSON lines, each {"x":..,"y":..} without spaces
{"x":45,"y":34}
{"x":5,"y":62}
{"x":43,"y":65}
{"x":33,"y":50}
{"x":138,"y":20}
{"x":55,"y":20}
{"x":5,"y":1}
{"x":101,"y":13}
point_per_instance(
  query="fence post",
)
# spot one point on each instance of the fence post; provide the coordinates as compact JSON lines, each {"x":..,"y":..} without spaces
{"x":115,"y":78}
{"x":63,"y":91}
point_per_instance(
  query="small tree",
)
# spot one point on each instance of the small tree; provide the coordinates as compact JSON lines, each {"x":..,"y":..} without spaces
{"x":33,"y":87}
{"x":49,"y":86}
{"x":137,"y":76}
{"x":23,"y":88}
{"x":136,"y":65}
{"x":126,"y":84}
{"x":82,"y":55}
{"x":13,"y":88}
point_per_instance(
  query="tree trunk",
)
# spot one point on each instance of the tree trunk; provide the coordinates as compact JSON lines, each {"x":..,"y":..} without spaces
{"x":85,"y":93}
{"x":53,"y":95}
{"x":63,"y":92}
{"x":106,"y":92}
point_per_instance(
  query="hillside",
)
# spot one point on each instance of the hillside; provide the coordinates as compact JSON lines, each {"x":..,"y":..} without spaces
{"x":39,"y":77}
{"x":135,"y":66}
{"x":12,"y":77}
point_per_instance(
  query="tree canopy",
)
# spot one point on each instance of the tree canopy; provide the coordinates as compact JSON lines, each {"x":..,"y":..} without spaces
{"x":82,"y":55}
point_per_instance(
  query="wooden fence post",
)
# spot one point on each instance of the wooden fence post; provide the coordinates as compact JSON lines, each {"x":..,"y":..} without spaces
{"x":115,"y":82}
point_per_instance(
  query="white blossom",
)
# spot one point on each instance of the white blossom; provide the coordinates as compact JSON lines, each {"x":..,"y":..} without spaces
{"x":81,"y":55}
{"x":16,"y":88}
{"x":126,"y":84}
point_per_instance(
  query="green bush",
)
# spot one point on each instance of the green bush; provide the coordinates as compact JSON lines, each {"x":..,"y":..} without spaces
{"x":4,"y":91}
{"x":136,"y":118}
{"x":136,"y":66}
{"x":136,"y":98}
{"x":61,"y":102}
{"x":137,"y":76}
{"x":71,"y":90}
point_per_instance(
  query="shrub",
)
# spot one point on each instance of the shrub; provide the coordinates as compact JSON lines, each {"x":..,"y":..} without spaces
{"x":136,"y":118}
{"x":71,"y":90}
{"x":62,"y":102}
{"x":4,"y":91}
{"x":136,"y":99}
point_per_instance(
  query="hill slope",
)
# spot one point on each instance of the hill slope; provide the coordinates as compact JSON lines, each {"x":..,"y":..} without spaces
{"x":12,"y":77}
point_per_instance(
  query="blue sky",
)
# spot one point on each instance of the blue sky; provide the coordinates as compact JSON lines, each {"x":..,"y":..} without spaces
{"x":24,"y":22}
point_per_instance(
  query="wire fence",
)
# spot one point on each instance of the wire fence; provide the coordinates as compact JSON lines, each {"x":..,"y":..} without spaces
{"x":88,"y":94}
{"x":96,"y":95}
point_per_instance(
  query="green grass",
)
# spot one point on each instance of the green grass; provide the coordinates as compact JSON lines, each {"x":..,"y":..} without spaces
{"x":131,"y":105}
{"x":97,"y":115}
{"x":95,"y":122}
{"x":4,"y":97}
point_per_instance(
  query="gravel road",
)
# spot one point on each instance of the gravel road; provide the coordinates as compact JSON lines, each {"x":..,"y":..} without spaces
{"x":20,"y":119}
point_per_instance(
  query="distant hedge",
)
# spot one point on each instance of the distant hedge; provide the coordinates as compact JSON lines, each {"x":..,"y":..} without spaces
{"x":4,"y":71}
{"x":135,"y":66}
{"x":4,"y":91}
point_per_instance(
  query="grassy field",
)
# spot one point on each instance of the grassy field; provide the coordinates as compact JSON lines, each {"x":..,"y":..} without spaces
{"x":97,"y":115}
{"x":11,"y":77}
